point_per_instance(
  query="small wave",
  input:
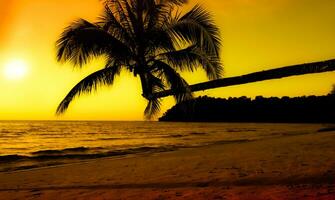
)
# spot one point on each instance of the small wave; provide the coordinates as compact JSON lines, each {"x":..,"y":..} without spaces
{"x":172,"y":136}
{"x":111,"y":139}
{"x":328,"y":129}
{"x":198,"y":133}
{"x":21,"y":132}
{"x":63,"y":151}
{"x":230,"y":141}
{"x":16,"y":149}
{"x":240,"y":130}
{"x":34,"y":130}
{"x":9,"y":136}
{"x":11,"y":158}
{"x":81,"y":153}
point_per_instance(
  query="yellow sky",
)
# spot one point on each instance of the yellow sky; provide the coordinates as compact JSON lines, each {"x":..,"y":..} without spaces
{"x":258,"y":35}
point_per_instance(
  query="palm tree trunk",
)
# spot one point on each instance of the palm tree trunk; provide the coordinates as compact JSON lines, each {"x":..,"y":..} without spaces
{"x":295,"y":70}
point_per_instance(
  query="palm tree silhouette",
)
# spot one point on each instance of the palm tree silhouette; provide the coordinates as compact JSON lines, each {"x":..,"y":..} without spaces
{"x":149,"y":38}
{"x":277,"y":73}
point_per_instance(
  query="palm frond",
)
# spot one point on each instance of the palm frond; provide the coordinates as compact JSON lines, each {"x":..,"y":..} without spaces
{"x":155,"y":83}
{"x":158,"y":14}
{"x":83,"y":40}
{"x":197,"y":27}
{"x":175,"y":81}
{"x":105,"y":76}
{"x":191,"y":58}
{"x":119,"y":11}
{"x":173,"y":2}
{"x":158,"y":40}
{"x":153,"y":14}
{"x":152,"y":108}
{"x":110,"y":23}
{"x":132,"y":18}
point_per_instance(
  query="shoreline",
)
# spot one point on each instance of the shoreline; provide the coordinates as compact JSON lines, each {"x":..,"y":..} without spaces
{"x":289,"y":167}
{"x":51,"y":158}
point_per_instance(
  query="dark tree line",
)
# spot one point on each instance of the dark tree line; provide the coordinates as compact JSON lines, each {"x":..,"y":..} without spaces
{"x":306,"y":109}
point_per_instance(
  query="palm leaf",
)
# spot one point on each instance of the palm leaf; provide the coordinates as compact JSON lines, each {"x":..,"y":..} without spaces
{"x":173,"y":2}
{"x":83,"y":40}
{"x":191,"y":58}
{"x":175,"y":81}
{"x":152,"y":108}
{"x":110,"y":24}
{"x":158,"y":40}
{"x":197,"y":27}
{"x":105,"y":76}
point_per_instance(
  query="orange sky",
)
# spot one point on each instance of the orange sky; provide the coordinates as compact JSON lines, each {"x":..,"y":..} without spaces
{"x":7,"y":17}
{"x":258,"y":35}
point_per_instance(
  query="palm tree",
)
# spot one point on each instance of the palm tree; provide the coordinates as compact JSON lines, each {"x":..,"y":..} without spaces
{"x":283,"y":72}
{"x":149,"y":38}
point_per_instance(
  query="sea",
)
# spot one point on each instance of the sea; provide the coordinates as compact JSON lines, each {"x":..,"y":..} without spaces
{"x":29,"y":144}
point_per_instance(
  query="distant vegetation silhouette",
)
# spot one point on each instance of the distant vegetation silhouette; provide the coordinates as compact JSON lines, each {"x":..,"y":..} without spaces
{"x":333,"y":90}
{"x":306,"y":109}
{"x":149,"y":38}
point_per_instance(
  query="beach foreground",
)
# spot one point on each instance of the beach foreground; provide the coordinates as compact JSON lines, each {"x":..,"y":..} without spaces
{"x":286,"y":167}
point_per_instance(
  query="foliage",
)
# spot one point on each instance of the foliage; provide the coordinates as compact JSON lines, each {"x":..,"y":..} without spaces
{"x":149,"y":38}
{"x":333,"y":90}
{"x":311,"y":109}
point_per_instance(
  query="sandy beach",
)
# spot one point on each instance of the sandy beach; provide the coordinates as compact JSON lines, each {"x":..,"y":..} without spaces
{"x":286,"y":167}
{"x":167,"y":100}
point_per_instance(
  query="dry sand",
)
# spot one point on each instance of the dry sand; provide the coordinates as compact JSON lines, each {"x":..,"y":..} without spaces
{"x":288,"y":167}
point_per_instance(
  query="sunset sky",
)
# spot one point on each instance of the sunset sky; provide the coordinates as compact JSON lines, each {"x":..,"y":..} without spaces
{"x":257,"y":35}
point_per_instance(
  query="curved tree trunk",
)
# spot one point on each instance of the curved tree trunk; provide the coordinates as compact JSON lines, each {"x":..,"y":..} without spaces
{"x":295,"y":70}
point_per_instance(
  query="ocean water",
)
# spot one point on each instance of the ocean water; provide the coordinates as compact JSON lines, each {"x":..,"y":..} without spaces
{"x":29,"y":144}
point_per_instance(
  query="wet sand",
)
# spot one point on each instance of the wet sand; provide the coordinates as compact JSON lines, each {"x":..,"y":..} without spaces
{"x":287,"y":167}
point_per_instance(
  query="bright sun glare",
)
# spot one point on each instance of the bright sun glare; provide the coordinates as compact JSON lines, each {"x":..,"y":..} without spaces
{"x":15,"y":70}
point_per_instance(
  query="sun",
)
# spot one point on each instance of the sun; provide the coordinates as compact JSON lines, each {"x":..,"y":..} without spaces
{"x":15,"y":70}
